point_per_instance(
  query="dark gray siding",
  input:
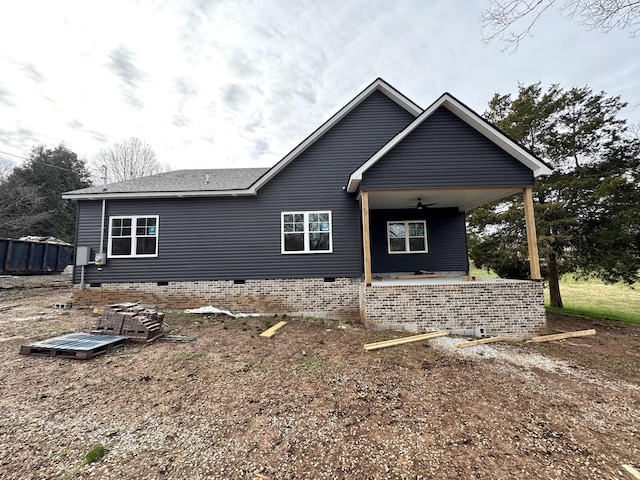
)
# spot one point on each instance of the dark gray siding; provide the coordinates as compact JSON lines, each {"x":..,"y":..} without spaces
{"x":446,"y":152}
{"x":446,"y":239}
{"x":239,"y":238}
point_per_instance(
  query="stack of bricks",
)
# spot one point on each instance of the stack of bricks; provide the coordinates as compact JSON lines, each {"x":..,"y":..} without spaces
{"x":137,"y":322}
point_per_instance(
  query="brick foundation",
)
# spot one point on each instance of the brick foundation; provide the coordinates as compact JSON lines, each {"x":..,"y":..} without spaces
{"x":305,"y":296}
{"x":501,"y":307}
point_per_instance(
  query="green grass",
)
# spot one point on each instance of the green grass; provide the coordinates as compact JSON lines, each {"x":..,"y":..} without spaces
{"x":592,"y":298}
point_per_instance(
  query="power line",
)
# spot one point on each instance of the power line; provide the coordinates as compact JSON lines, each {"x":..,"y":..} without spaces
{"x":40,"y":163}
{"x":12,"y":155}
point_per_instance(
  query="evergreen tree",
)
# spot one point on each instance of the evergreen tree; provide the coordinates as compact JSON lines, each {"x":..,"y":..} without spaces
{"x":587,"y":210}
{"x":30,"y":198}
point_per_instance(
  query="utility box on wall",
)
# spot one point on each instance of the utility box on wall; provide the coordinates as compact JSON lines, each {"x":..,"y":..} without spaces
{"x":101,"y":259}
{"x":83,"y":256}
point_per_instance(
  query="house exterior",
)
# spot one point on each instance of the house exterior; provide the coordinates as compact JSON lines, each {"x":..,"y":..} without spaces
{"x":324,"y":231}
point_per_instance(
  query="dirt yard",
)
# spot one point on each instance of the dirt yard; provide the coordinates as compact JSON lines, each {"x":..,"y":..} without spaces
{"x":311,"y":403}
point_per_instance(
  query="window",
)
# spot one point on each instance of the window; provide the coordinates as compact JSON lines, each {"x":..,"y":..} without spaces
{"x":133,"y":236}
{"x":407,"y":237}
{"x":306,"y":232}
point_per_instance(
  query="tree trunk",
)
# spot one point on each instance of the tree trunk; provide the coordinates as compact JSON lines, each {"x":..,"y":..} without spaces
{"x":554,"y":281}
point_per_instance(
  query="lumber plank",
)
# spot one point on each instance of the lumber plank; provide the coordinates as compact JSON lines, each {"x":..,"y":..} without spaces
{"x":272,"y":331}
{"x":635,"y":473}
{"x":562,"y":336}
{"x":403,"y":340}
{"x":413,"y":276}
{"x":482,"y":341}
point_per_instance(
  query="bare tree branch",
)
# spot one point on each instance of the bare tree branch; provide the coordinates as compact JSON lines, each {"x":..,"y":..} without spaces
{"x":510,"y":21}
{"x":21,"y":207}
{"x":130,"y":158}
{"x":6,"y":167}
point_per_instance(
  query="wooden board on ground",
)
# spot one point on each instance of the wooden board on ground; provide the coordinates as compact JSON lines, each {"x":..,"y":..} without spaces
{"x":635,"y":473}
{"x":421,"y":275}
{"x":272,"y":331}
{"x":482,"y":341}
{"x":562,"y":336}
{"x":403,"y":340}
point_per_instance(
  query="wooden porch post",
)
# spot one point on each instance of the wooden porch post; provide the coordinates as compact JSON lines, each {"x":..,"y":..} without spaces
{"x":366,"y":241}
{"x":532,"y":240}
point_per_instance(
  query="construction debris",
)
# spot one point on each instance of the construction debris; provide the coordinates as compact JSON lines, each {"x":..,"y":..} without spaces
{"x":178,"y":338}
{"x":134,"y":321}
{"x":488,"y":340}
{"x":78,"y":345}
{"x":562,"y":336}
{"x":635,"y":473}
{"x":213,"y":310}
{"x":403,"y":340}
{"x":471,"y":278}
{"x":272,"y":331}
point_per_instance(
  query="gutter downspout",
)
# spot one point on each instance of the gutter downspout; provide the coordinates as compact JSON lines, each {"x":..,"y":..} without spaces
{"x":104,"y":206}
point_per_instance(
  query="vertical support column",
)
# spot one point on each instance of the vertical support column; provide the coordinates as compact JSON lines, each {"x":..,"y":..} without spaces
{"x":366,"y":241}
{"x":532,"y":240}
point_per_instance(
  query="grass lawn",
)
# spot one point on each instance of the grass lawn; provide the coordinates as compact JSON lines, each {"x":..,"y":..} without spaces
{"x":593,"y":298}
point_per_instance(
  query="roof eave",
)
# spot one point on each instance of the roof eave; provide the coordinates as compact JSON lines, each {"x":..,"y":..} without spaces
{"x":184,"y":194}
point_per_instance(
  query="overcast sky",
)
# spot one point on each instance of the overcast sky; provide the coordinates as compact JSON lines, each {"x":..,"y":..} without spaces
{"x":239,"y":83}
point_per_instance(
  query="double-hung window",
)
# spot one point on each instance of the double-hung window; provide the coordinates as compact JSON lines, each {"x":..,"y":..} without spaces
{"x":306,"y":232}
{"x":133,"y":236}
{"x":407,"y":237}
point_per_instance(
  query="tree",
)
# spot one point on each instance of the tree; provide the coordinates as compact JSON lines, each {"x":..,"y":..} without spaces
{"x":21,"y":207}
{"x":501,"y":15}
{"x":30,"y":198}
{"x":6,"y":167}
{"x":130,"y":158}
{"x":587,"y":210}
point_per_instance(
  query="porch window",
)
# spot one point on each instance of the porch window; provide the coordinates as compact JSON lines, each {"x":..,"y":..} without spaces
{"x":306,"y":232}
{"x":133,"y":236}
{"x":407,"y":237}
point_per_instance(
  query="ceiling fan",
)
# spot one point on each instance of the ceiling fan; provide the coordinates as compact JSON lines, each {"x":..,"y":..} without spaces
{"x":422,"y":206}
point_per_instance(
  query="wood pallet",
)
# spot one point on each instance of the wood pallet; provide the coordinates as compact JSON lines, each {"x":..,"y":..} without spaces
{"x":78,"y":346}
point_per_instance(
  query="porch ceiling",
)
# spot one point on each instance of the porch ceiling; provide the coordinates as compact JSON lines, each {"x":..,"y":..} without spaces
{"x":462,"y":199}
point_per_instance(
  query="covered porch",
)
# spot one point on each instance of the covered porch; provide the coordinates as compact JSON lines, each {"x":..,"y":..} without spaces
{"x":424,"y":285}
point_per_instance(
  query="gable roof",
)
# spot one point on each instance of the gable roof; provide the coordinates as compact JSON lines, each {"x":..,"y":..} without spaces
{"x":181,"y":183}
{"x":137,"y":186}
{"x":468,"y":116}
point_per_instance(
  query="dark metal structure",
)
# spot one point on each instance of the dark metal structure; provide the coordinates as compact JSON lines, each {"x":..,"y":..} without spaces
{"x":23,"y":257}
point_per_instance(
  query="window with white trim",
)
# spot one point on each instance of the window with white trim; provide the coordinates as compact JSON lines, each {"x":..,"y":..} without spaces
{"x":135,"y":236}
{"x":407,"y":237}
{"x":306,"y":232}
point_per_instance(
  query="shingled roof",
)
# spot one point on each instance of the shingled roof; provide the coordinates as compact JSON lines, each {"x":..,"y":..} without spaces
{"x":177,"y":181}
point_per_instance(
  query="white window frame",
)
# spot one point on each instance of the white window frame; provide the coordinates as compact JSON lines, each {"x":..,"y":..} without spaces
{"x":407,"y":249}
{"x":134,"y":236}
{"x":306,"y":232}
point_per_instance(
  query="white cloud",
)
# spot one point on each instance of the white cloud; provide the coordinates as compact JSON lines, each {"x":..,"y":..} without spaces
{"x":240,"y":83}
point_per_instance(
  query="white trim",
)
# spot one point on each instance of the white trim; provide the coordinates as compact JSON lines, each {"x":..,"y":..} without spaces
{"x":305,"y":232}
{"x":377,"y":85}
{"x":133,"y":237}
{"x":470,"y":118}
{"x":407,"y":249}
{"x":190,"y":193}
